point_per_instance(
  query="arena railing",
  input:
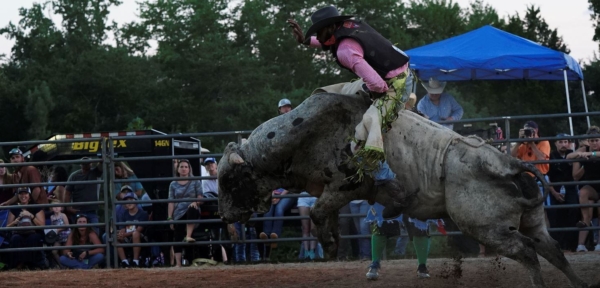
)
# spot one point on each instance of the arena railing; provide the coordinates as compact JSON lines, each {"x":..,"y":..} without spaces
{"x":108,"y":159}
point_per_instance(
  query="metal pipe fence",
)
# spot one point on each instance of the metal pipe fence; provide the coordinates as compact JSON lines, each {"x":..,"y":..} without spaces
{"x":108,"y":158}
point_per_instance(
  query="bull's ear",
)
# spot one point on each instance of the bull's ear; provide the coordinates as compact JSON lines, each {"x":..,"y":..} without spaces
{"x":235,"y":158}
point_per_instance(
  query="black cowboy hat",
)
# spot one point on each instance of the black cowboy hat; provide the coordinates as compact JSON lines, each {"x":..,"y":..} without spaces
{"x":323,"y":18}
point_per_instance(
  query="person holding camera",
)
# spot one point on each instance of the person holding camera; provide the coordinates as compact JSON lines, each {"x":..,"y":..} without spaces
{"x":533,"y":150}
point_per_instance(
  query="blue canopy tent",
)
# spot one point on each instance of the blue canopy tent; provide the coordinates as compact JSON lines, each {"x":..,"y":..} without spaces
{"x":489,"y":53}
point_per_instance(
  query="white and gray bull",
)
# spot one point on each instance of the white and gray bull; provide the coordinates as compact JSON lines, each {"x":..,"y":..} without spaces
{"x":486,"y":193}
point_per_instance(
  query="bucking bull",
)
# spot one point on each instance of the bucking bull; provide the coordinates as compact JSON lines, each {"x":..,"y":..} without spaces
{"x":489,"y":195}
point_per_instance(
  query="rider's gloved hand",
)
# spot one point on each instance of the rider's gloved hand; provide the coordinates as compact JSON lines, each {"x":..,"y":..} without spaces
{"x":374,"y":95}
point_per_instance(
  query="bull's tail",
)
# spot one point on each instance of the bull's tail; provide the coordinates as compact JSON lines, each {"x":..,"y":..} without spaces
{"x":533,"y":202}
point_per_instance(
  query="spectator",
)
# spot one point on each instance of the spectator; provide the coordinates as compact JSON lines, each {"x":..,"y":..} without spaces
{"x":533,"y":150}
{"x":84,"y":192}
{"x":131,"y":233}
{"x":211,"y":185}
{"x":240,"y":248}
{"x":59,"y":219}
{"x":119,"y":211}
{"x":438,"y":106}
{"x":304,"y":205}
{"x":284,"y":106}
{"x":26,"y":175}
{"x":563,"y":172}
{"x":362,"y":227}
{"x":184,"y":189}
{"x":123,"y":172}
{"x":587,"y":170}
{"x":22,"y":216}
{"x":82,"y":258}
{"x":272,"y":228}
{"x":583,"y":143}
{"x":6,"y":194}
{"x":59,"y":174}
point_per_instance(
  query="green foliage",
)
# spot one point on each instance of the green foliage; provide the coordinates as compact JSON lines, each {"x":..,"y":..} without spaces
{"x":39,"y":103}
{"x":137,"y":124}
{"x":222,"y":65}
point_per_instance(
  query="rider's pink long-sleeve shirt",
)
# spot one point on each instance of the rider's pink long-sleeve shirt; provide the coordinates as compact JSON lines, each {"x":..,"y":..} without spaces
{"x":351,"y":55}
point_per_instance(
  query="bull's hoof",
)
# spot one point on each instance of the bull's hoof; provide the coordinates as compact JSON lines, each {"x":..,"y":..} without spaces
{"x":331,"y":250}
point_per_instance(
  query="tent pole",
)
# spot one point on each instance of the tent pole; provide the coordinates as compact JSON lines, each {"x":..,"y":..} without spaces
{"x":585,"y":103}
{"x":568,"y":101}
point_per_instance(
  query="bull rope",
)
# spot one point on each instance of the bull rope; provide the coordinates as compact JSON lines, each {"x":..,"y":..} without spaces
{"x":455,"y":140}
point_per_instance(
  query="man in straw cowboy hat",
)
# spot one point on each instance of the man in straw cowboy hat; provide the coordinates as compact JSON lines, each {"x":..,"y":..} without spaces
{"x":384,"y":73}
{"x":437,"y":105}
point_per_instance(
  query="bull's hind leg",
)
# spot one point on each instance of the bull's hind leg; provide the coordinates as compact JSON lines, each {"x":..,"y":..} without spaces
{"x":548,"y":247}
{"x":325,"y":216}
{"x":512,"y":244}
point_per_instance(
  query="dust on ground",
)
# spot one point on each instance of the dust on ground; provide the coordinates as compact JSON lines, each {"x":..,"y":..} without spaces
{"x":457,"y":272}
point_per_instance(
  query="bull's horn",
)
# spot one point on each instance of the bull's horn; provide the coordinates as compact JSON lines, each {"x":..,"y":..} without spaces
{"x":235,"y":158}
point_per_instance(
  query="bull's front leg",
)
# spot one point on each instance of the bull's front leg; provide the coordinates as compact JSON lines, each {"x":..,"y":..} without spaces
{"x":325,"y":215}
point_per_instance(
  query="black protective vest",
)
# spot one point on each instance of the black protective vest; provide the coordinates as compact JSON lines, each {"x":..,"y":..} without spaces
{"x":379,"y":52}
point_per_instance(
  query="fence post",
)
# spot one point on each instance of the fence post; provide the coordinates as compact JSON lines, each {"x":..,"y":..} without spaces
{"x":243,"y":229}
{"x":111,"y":156}
{"x":106,"y":171}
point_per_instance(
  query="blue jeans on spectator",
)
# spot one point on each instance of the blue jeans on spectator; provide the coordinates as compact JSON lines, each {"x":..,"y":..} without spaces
{"x":87,"y":263}
{"x":277,"y":211}
{"x":240,"y":248}
{"x":25,"y":257}
{"x":364,"y":245}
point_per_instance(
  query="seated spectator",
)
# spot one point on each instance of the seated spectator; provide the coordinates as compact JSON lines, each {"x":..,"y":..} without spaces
{"x":22,"y":216}
{"x":210,"y":185}
{"x":240,"y":248}
{"x":26,"y":175}
{"x":304,"y":205}
{"x":272,"y":228}
{"x":121,"y":209}
{"x":59,"y":219}
{"x":131,"y":233}
{"x":184,"y":189}
{"x":82,"y":258}
{"x":587,"y":170}
{"x":59,"y":174}
{"x":5,"y":193}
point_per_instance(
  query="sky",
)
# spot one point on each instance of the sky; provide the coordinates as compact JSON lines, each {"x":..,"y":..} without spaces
{"x":572,"y":20}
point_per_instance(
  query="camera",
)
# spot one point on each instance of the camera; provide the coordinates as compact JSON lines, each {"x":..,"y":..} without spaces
{"x":527,"y":133}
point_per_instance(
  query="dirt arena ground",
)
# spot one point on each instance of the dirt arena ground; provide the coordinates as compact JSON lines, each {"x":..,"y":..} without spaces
{"x":470,"y":272}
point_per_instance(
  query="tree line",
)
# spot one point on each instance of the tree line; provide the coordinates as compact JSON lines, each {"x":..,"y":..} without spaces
{"x":221,"y":65}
